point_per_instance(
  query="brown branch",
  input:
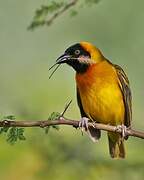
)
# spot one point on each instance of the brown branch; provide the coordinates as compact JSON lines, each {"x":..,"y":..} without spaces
{"x":60,"y":12}
{"x":74,"y":123}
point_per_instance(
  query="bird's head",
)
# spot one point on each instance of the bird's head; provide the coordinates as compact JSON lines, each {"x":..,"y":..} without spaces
{"x":80,"y":56}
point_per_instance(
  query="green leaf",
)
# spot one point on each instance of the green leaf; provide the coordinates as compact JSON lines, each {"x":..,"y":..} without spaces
{"x":42,"y":13}
{"x":9,"y":117}
{"x":22,"y":137}
{"x":20,"y":132}
{"x":14,"y":134}
{"x":53,"y":116}
{"x":47,"y":130}
{"x":56,"y":127}
{"x":4,"y":130}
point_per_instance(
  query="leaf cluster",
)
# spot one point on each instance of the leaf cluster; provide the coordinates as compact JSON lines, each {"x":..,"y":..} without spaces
{"x":46,"y":14}
{"x":13,"y":134}
{"x":53,"y":116}
{"x":42,"y":13}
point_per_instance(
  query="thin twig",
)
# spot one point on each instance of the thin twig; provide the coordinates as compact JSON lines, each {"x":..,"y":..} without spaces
{"x":66,"y":107}
{"x":74,"y":123}
{"x":60,"y":12}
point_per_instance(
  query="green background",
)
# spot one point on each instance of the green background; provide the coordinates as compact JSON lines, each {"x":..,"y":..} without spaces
{"x":117,"y":28}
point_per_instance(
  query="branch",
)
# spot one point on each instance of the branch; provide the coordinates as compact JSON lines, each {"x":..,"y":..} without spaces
{"x":65,"y":121}
{"x":55,"y":9}
{"x":47,"y":14}
{"x":60,"y":12}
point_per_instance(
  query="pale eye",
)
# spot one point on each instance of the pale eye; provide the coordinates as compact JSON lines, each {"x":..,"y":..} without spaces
{"x":77,"y":52}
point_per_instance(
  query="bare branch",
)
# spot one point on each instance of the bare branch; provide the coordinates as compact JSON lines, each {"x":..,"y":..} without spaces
{"x":65,"y":121}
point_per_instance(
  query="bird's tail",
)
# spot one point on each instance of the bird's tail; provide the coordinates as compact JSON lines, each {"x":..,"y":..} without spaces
{"x":116,"y":145}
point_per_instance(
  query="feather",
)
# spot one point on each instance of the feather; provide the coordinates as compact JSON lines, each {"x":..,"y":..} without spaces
{"x":92,"y":132}
{"x":126,"y":92}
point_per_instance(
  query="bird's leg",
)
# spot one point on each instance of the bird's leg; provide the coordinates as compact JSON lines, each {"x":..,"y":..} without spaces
{"x":92,"y":132}
{"x":83,"y":124}
{"x":123,"y":129}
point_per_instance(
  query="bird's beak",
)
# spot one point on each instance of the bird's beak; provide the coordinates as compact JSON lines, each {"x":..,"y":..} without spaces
{"x":63,"y":59}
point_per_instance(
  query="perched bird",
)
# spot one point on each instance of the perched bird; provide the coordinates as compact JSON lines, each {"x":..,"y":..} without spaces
{"x":103,"y":93}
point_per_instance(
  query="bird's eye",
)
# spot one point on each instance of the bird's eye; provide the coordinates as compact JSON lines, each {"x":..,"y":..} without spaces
{"x":77,"y":52}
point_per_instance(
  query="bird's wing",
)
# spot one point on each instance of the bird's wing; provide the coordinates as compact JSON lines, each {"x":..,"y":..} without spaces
{"x":92,"y":132}
{"x":127,"y":97}
{"x":83,"y":114}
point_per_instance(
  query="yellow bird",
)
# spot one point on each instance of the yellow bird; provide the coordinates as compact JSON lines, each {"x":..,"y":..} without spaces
{"x":103,"y":92}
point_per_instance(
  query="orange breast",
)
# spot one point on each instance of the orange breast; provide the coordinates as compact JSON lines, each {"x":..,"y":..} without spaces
{"x":100,"y":94}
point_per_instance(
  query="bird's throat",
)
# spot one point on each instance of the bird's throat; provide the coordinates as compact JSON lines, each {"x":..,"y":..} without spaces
{"x":80,"y":68}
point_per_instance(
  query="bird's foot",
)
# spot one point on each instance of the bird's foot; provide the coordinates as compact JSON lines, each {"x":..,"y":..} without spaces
{"x":123,"y":129}
{"x":83,"y":124}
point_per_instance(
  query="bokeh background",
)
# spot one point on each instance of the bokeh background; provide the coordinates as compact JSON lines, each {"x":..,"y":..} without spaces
{"x":117,"y":28}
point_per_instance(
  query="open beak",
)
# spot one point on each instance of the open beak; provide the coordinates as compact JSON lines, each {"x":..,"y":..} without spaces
{"x":63,"y":59}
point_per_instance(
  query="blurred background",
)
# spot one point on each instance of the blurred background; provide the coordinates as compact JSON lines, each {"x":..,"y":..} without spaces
{"x":117,"y":28}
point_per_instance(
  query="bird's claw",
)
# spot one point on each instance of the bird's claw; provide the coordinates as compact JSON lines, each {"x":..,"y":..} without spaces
{"x":83,"y":124}
{"x":123,"y":129}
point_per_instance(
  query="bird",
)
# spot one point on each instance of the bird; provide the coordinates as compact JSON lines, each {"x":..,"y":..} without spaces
{"x":103,"y":93}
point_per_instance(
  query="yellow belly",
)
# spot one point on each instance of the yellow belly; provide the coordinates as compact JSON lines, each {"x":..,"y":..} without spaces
{"x":101,"y":96}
